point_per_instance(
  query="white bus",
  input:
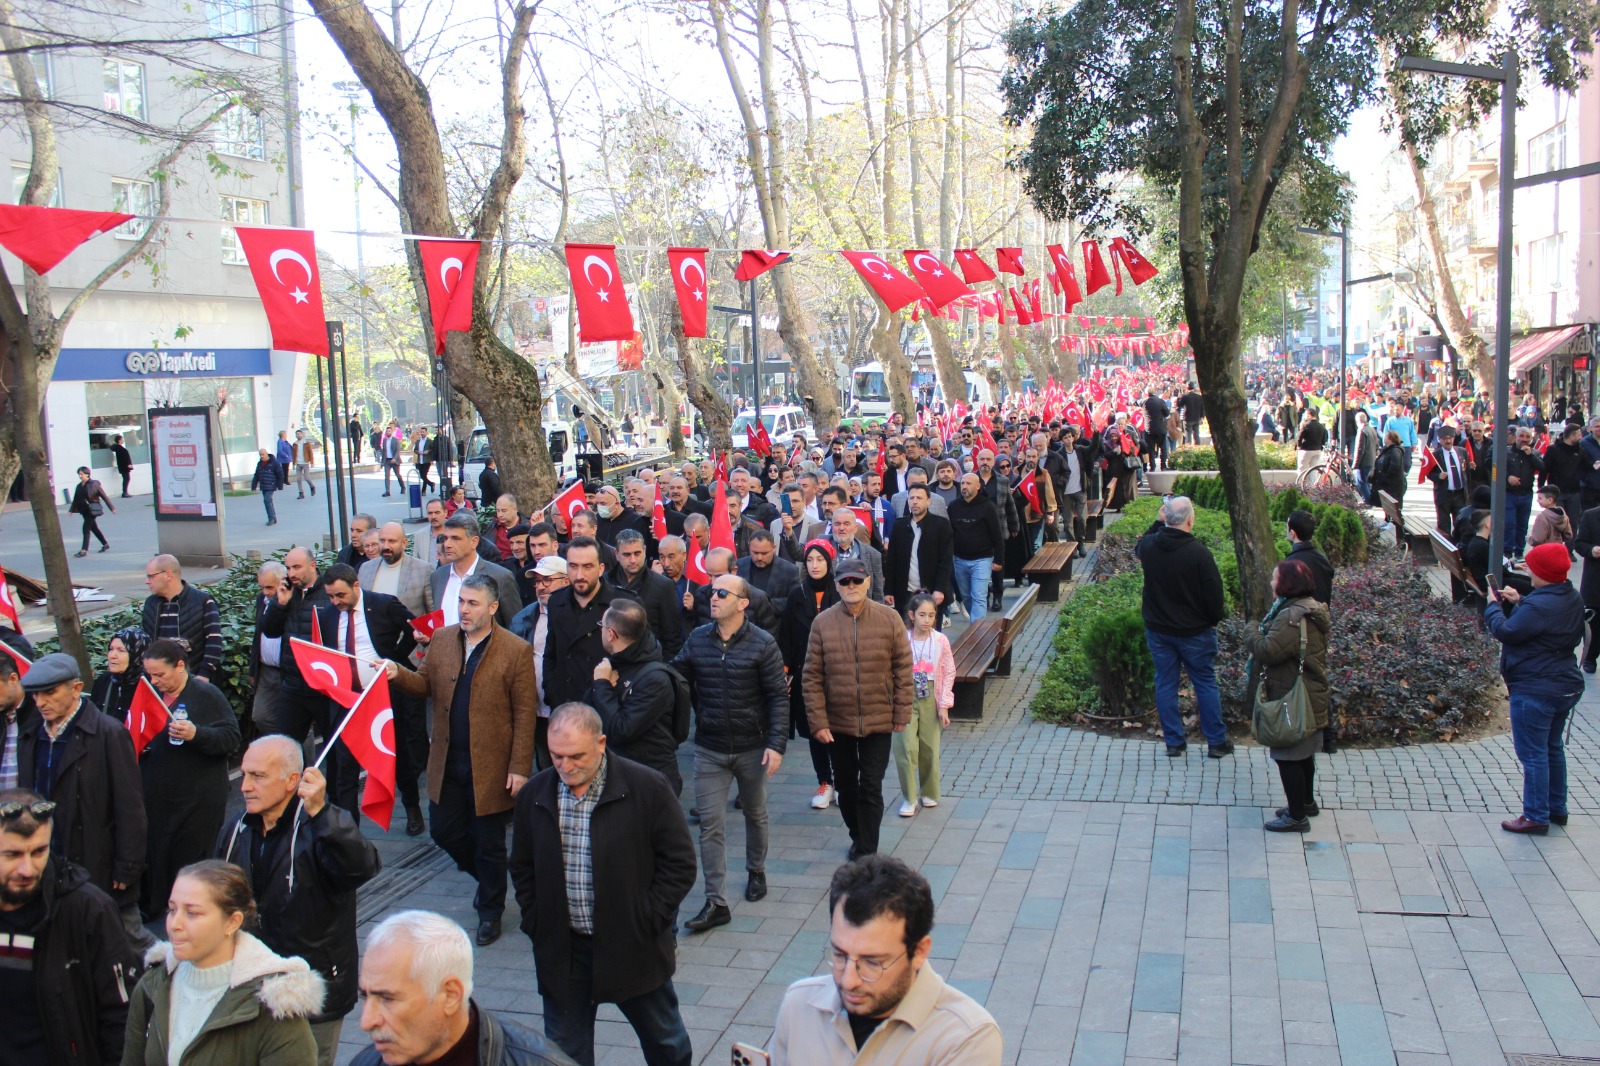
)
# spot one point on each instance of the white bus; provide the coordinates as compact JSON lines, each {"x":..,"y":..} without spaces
{"x":869,"y":390}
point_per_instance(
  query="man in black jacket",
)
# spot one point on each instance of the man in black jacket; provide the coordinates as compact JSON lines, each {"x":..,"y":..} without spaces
{"x":1301,"y":525}
{"x":635,"y":694}
{"x":124,"y":462}
{"x":1156,"y":413}
{"x":351,"y":554}
{"x":919,"y":556}
{"x":1183,"y":602}
{"x":82,"y":761}
{"x":764,"y":570}
{"x":662,"y":604}
{"x":305,"y":859}
{"x":1193,"y":406}
{"x":979,"y":539}
{"x":1311,"y":440}
{"x":1564,"y":464}
{"x":572,"y":647}
{"x":64,"y":991}
{"x":1523,"y":464}
{"x":601,"y":915}
{"x":176,"y":608}
{"x":299,"y":599}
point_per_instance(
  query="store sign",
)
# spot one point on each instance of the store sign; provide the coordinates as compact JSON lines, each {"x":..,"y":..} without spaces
{"x":181,"y":461}
{"x":122,"y":364}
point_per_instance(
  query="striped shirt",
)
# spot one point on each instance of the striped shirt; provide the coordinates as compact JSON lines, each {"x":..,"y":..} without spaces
{"x":577,"y":855}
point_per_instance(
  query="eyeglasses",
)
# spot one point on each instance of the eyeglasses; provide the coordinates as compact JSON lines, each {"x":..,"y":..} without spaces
{"x":723,"y":594}
{"x":852,"y":580}
{"x":42,"y":809}
{"x":869,"y":970}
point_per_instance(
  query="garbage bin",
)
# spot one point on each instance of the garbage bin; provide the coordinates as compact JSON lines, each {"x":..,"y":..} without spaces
{"x":414,"y":497}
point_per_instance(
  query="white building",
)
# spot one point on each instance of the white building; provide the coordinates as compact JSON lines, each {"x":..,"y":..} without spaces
{"x":185,"y":328}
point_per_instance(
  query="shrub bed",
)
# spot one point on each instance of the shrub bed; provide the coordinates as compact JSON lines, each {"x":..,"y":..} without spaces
{"x":1269,"y":456}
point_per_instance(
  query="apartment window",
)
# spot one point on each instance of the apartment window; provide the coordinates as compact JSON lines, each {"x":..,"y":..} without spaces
{"x":124,"y":87}
{"x":234,"y":20}
{"x":136,"y":198}
{"x":41,"y":72}
{"x":240,"y":132}
{"x":19,"y":179}
{"x":1546,"y":264}
{"x":1548,"y":151}
{"x":238,"y":209}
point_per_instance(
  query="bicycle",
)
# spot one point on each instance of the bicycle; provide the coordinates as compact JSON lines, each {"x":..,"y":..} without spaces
{"x":1326,"y":473}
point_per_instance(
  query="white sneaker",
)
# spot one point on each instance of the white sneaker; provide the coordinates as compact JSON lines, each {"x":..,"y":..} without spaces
{"x":823,"y":797}
{"x":929,"y":802}
{"x":907,"y":809}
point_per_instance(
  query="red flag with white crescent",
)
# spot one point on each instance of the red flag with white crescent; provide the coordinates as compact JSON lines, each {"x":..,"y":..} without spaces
{"x":426,"y":624}
{"x":8,"y":606}
{"x":283,"y":263}
{"x":1095,"y":276}
{"x":694,"y":567}
{"x":1030,"y":492}
{"x":936,"y":279}
{"x":603,"y":312}
{"x":755,"y":262}
{"x":658,"y":516}
{"x":689,"y":282}
{"x":450,"y":268}
{"x":1009,"y":260}
{"x":973,"y":268}
{"x":43,"y":236}
{"x":893,"y":288}
{"x":721,"y":524}
{"x":368,"y":731}
{"x":147,"y":715}
{"x":1124,"y":254}
{"x":330,"y":672}
{"x":570,"y":501}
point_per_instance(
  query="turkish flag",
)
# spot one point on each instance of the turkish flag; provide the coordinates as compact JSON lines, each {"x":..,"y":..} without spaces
{"x":147,"y":715}
{"x":1095,"y":277}
{"x":43,"y":236}
{"x":316,"y":627}
{"x":450,"y":269}
{"x":694,"y":568}
{"x":1023,"y":317}
{"x":368,"y":731}
{"x":689,"y":282}
{"x":864,"y":517}
{"x":1428,"y":463}
{"x":1030,"y":492}
{"x":755,"y":262}
{"x":603,"y":313}
{"x":760,"y":440}
{"x":1071,"y":294}
{"x":1009,"y":260}
{"x":719,"y":464}
{"x":1035,"y":300}
{"x":893,"y":288}
{"x":881,"y":464}
{"x":570,"y":501}
{"x":23,"y":662}
{"x":721,"y":524}
{"x":283,"y":263}
{"x":429,"y":622}
{"x":8,"y":606}
{"x":658,"y":517}
{"x":1123,"y":254}
{"x":330,"y":672}
{"x":936,"y":279}
{"x":973,"y":268}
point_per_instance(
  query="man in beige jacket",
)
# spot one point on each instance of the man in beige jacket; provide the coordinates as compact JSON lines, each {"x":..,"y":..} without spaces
{"x":883,"y":1005}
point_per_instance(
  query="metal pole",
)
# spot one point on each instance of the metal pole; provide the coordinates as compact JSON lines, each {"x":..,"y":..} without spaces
{"x":1344,"y":326}
{"x":755,"y":348}
{"x":336,"y":344}
{"x":1502,"y":339}
{"x":361,"y":263}
{"x":327,"y":464}
{"x":338,"y":429}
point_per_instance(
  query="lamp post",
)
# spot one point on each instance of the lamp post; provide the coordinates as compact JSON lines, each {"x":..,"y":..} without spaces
{"x":352,"y":91}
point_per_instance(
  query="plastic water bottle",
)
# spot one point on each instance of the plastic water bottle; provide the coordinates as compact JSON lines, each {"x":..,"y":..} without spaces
{"x":180,"y":713}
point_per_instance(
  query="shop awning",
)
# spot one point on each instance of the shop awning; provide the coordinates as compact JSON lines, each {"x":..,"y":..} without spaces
{"x":1530,"y":351}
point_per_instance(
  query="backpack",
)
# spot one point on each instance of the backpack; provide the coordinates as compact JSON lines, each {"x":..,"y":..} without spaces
{"x":683,"y":708}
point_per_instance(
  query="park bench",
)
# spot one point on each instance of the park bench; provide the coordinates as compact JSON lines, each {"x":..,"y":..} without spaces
{"x":1449,"y":557}
{"x":1094,"y":516}
{"x":1411,"y":531}
{"x":985,"y":646}
{"x":1049,"y":566}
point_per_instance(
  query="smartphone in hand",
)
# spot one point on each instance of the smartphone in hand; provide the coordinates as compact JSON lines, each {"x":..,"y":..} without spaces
{"x":750,"y":1055}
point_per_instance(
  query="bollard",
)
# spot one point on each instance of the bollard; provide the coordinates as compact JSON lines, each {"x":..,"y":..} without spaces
{"x":253,"y":555}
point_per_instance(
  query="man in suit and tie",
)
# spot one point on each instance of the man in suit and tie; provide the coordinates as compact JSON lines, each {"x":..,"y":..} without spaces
{"x":1449,"y":475}
{"x":936,"y":503}
{"x":764,"y":570}
{"x":391,"y":457}
{"x":398,"y":574}
{"x":462,"y":560}
{"x":920,"y":554}
{"x":795,"y":528}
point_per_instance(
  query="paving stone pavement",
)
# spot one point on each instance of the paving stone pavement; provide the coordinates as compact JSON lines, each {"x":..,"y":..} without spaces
{"x":1110,"y":905}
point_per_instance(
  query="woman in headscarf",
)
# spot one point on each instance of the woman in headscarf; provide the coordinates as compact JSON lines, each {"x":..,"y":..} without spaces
{"x":114,"y":687}
{"x":816,"y":594}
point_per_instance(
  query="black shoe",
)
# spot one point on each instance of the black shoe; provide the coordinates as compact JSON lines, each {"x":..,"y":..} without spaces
{"x":1330,"y":743}
{"x":1312,"y":810}
{"x":488,"y":931}
{"x":386,"y":494}
{"x":414,"y":822}
{"x":313,"y":490}
{"x":301,"y":496}
{"x":738,"y":803}
{"x":710,"y":916}
{"x":853,"y":854}
{"x":694,"y":814}
{"x":1217,"y":751}
{"x":756,"y":888}
{"x":1558,"y":819}
{"x":1284,"y":824}
{"x":1588,"y":666}
{"x":1175,"y":750}
{"x":105,"y":548}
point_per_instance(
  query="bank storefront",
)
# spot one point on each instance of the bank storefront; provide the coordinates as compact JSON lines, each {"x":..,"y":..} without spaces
{"x":98,"y":394}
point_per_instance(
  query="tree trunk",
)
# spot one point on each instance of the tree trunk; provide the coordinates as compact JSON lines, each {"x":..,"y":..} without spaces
{"x":946,"y":364}
{"x":1474,"y":352}
{"x":714,"y":411}
{"x":896,"y":367}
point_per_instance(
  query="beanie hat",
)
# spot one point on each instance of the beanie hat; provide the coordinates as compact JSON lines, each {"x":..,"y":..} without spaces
{"x":1549,"y":562}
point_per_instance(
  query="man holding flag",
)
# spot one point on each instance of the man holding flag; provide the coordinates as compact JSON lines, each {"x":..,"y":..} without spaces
{"x":305,"y":859}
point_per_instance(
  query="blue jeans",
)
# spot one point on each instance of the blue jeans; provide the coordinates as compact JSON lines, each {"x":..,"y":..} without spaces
{"x":266,"y":498}
{"x":654,"y":1016}
{"x":1519,"y":508}
{"x":972,"y":581}
{"x":1537,"y":725}
{"x":1197,"y":654}
{"x":1363,"y":480}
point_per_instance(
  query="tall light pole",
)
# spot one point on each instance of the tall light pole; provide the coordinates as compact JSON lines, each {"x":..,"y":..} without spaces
{"x":352,"y":91}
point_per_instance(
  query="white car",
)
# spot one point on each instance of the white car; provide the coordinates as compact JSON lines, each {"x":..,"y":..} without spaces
{"x":782,"y":424}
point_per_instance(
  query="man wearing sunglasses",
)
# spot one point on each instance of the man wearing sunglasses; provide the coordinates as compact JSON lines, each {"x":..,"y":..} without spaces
{"x":69,"y":968}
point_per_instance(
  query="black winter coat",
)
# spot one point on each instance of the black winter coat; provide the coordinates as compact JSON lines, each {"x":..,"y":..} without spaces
{"x":662,"y":606}
{"x":782,"y":579}
{"x":1182,"y":585}
{"x":935,"y":555}
{"x":1389,"y":472}
{"x":644,"y":866}
{"x":294,"y":620}
{"x":308,"y":907}
{"x":499,"y":1044}
{"x":636,"y":712}
{"x":1563,"y":467}
{"x":268,"y":476}
{"x":572,"y":647}
{"x":1585,"y":540}
{"x":99,"y":818}
{"x":1321,"y":569}
{"x":741,"y":699}
{"x":84,"y":969}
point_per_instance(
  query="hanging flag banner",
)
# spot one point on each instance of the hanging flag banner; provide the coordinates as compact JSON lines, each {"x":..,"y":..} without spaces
{"x":43,"y":236}
{"x":1009,"y":260}
{"x":936,"y":279}
{"x":755,"y":262}
{"x":603,"y":312}
{"x":1124,"y":254}
{"x":283,"y":263}
{"x":1071,"y":294}
{"x":973,"y":268}
{"x":893,"y":288}
{"x":689,"y":282}
{"x":450,"y":268}
{"x":1095,"y":277}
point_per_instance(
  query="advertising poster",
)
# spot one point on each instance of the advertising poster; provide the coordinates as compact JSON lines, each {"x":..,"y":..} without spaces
{"x":181,"y":463}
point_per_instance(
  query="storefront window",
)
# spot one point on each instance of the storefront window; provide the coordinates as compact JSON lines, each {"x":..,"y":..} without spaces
{"x":236,"y":397}
{"x":116,"y":407}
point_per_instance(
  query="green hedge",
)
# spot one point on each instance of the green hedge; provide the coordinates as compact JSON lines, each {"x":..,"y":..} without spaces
{"x":1269,"y":456}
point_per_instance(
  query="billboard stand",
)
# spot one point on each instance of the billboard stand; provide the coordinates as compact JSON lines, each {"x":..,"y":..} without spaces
{"x":184,"y":446}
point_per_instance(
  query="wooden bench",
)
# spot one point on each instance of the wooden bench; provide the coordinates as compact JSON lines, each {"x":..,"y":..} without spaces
{"x":984,"y":647}
{"x":1411,"y":531}
{"x":1011,"y":624}
{"x":1093,"y":517}
{"x":1049,"y":565}
{"x":1449,"y":557}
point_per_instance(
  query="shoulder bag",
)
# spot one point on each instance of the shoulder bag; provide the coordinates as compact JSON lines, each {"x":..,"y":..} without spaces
{"x":1286,"y":721}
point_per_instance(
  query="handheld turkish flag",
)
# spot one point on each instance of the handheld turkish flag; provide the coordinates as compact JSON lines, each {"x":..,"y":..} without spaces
{"x":694,"y":568}
{"x":283,"y":263}
{"x":893,"y":288}
{"x":864,"y":517}
{"x":1123,"y":254}
{"x":603,"y":313}
{"x":755,"y":262}
{"x":316,"y":627}
{"x":719,"y":465}
{"x":689,"y":282}
{"x":1095,"y":277}
{"x":721,"y":524}
{"x":570,"y":501}
{"x":450,"y":269}
{"x":760,"y":439}
{"x":973,"y":268}
{"x":1009,"y":260}
{"x":147,"y":715}
{"x":8,"y":606}
{"x":881,"y":464}
{"x":23,"y":662}
{"x":1071,"y":294}
{"x":426,"y":624}
{"x":1428,"y":463}
{"x":368,"y":731}
{"x":1030,"y":492}
{"x":936,"y":279}
{"x":330,"y":672}
{"x":43,"y":236}
{"x":658,"y":517}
